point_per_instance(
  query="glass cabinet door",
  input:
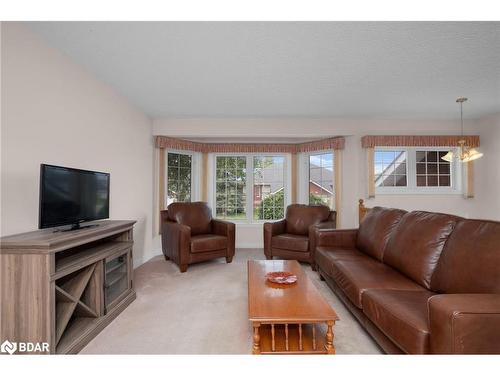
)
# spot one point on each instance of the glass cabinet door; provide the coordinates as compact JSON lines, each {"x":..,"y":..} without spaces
{"x":117,"y":278}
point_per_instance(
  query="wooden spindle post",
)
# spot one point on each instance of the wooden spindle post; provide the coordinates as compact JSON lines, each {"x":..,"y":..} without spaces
{"x":256,"y":339}
{"x":273,"y":343}
{"x":330,"y":349}
{"x":286,"y":338}
{"x":314,"y":336}
{"x":300,"y":337}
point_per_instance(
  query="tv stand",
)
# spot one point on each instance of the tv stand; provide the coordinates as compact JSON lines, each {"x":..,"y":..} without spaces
{"x":63,"y":288}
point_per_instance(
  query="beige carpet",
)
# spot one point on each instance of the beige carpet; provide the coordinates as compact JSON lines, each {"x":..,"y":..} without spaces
{"x":203,"y":311}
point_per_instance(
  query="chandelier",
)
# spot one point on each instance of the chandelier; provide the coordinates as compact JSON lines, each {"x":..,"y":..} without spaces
{"x":466,"y":153}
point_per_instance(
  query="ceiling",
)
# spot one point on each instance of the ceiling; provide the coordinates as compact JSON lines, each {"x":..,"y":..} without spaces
{"x":291,"y":69}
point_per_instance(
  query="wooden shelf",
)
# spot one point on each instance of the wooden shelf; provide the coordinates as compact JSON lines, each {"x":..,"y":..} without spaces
{"x":69,"y":293}
{"x":112,"y":279}
{"x":89,"y":255}
{"x":76,"y":328}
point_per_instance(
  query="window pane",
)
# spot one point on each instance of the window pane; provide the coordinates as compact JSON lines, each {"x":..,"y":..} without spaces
{"x":230,"y":187}
{"x":433,"y":171}
{"x":268,"y":188}
{"x":178,"y":177}
{"x":390,"y":168}
{"x":321,"y":179}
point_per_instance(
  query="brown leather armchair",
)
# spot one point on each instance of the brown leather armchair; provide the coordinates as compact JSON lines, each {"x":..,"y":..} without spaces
{"x":189,"y":235}
{"x":293,"y":237}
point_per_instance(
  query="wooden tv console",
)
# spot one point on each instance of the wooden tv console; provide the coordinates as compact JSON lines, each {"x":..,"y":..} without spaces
{"x":63,"y":288}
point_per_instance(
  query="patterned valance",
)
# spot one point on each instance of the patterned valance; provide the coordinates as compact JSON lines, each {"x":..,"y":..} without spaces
{"x":370,"y":141}
{"x":335,"y":143}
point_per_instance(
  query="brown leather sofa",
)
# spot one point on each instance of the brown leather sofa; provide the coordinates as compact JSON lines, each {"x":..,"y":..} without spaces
{"x":189,"y":235}
{"x":419,"y":282}
{"x":293,"y":237}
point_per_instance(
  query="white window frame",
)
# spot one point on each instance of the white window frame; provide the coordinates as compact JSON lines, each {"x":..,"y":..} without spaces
{"x":411,"y":175}
{"x":303,"y":183}
{"x":249,"y":182}
{"x":195,"y":172}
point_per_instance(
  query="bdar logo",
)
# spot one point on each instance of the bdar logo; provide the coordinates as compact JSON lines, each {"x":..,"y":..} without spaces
{"x":8,"y":347}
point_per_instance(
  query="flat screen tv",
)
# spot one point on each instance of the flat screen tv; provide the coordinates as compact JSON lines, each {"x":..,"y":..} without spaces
{"x":71,"y":196}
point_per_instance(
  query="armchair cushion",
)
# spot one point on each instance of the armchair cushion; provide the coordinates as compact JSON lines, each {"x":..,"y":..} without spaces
{"x":196,"y":215}
{"x":299,"y":217}
{"x":291,"y":242}
{"x":207,"y":242}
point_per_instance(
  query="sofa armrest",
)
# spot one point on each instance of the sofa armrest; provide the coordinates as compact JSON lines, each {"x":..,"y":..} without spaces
{"x":464,"y":323}
{"x":227,"y":229}
{"x":177,"y":240}
{"x":336,"y":237}
{"x":270,"y":230}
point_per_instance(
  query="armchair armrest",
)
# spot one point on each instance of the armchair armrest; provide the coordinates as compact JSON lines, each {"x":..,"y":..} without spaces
{"x":227,"y":229}
{"x":331,"y":223}
{"x":336,"y":237}
{"x":177,"y":240}
{"x":464,"y":323}
{"x":270,"y":230}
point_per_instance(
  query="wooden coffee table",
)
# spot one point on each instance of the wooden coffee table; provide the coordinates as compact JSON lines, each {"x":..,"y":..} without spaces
{"x":288,"y":319}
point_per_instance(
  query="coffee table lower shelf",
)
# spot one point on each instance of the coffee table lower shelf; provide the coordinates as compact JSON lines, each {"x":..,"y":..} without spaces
{"x":293,"y":338}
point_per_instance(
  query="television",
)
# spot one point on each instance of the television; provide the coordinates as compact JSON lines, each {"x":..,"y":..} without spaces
{"x":70,"y":196}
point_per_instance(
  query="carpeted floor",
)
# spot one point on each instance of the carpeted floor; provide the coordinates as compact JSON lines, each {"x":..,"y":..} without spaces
{"x":204,"y":311}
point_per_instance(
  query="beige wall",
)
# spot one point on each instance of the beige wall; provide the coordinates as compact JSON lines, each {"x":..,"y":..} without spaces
{"x":354,"y":165}
{"x":55,"y":112}
{"x":487,"y":184}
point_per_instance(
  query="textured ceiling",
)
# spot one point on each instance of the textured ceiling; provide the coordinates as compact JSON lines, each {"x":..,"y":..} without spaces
{"x":291,"y":69}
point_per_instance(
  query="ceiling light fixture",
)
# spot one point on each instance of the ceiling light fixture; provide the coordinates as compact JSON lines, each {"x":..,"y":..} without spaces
{"x":466,"y":153}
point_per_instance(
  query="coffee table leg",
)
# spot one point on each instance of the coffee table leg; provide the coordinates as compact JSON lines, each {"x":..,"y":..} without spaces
{"x":330,"y":349}
{"x":256,"y":339}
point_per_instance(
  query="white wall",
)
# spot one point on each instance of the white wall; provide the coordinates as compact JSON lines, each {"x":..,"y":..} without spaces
{"x":488,"y":169}
{"x":354,"y":162}
{"x":55,"y":112}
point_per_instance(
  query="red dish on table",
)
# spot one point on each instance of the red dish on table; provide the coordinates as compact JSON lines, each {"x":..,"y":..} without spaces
{"x":281,"y":277}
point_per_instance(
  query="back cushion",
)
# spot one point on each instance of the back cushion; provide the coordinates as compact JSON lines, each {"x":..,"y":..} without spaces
{"x":196,"y":215}
{"x":416,"y":244}
{"x":299,"y":217}
{"x":470,"y":262}
{"x":376,"y":228}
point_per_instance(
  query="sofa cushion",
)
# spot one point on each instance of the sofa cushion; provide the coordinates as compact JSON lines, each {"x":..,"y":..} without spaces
{"x":376,"y":228}
{"x":338,"y":253}
{"x":415,"y":246}
{"x":299,"y":217}
{"x":470,"y":261}
{"x":290,"y":242}
{"x":325,"y":256}
{"x":207,"y":242}
{"x":196,"y":215}
{"x":354,"y":277}
{"x":401,"y":315}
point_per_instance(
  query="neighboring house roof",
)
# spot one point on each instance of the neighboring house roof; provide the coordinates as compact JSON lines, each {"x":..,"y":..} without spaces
{"x":274,"y":178}
{"x":329,"y":191}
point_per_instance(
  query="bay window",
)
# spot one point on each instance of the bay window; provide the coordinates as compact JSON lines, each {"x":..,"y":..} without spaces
{"x":179,"y":177}
{"x":321,"y":185}
{"x":250,"y":187}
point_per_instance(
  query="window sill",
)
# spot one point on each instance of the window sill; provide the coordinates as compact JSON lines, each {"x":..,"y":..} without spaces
{"x":417,"y":192}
